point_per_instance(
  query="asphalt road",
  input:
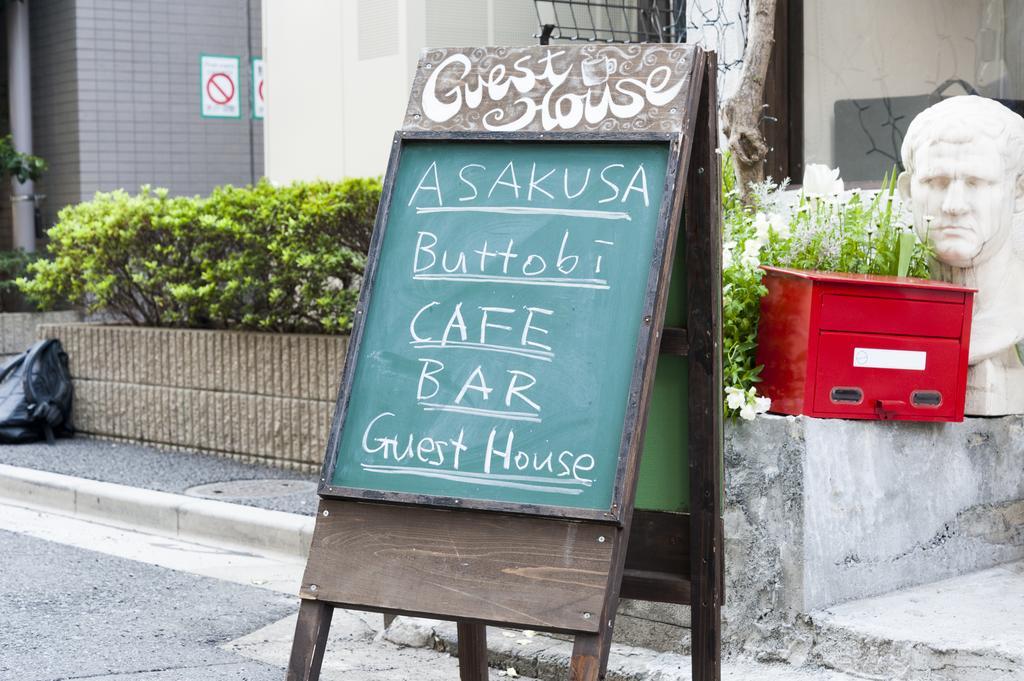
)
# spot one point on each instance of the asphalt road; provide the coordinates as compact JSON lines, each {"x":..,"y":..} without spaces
{"x":70,"y":613}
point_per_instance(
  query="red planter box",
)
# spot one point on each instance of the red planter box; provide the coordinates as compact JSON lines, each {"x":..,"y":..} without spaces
{"x":863,"y":346}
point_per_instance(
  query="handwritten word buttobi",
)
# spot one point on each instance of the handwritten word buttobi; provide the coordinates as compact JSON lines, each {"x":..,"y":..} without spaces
{"x":508,"y":264}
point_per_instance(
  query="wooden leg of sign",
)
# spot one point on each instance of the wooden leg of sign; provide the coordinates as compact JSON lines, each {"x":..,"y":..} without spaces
{"x":590,"y":654}
{"x":705,"y":387}
{"x":585,"y":664}
{"x":472,"y":651}
{"x":310,"y":641}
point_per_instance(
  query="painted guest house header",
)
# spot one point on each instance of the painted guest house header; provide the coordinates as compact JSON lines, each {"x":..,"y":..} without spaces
{"x":590,"y":88}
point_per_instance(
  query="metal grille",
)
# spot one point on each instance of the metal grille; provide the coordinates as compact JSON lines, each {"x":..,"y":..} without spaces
{"x":719,"y":25}
{"x":613,"y":21}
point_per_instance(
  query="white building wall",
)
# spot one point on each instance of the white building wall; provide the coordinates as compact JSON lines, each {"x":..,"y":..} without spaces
{"x":338,"y":74}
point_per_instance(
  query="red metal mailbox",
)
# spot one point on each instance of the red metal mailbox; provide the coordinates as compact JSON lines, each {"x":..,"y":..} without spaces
{"x":864,"y":346}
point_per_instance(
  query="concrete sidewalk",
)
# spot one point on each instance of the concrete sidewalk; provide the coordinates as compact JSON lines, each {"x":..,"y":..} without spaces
{"x":149,"y":490}
{"x":261,"y":510}
{"x":162,"y":470}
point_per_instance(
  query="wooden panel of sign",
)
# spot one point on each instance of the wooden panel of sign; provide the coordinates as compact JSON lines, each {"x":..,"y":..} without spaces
{"x":531,"y":572}
{"x":484,"y":455}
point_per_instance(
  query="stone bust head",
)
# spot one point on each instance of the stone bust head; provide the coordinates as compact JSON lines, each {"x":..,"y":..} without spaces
{"x":964,"y":181}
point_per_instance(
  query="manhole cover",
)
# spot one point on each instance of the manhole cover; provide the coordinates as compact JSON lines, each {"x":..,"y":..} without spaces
{"x":250,"y":489}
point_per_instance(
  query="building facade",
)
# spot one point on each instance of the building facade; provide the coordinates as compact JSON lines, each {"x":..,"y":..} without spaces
{"x":116,"y":98}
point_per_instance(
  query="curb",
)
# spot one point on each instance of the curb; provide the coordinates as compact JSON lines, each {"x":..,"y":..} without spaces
{"x":174,"y":515}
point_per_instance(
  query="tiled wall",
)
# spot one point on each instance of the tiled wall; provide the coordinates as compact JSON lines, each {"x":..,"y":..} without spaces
{"x":116,"y":98}
{"x":139,"y":94}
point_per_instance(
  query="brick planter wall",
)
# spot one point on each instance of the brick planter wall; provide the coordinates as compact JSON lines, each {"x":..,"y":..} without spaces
{"x":248,"y":395}
{"x":18,"y":329}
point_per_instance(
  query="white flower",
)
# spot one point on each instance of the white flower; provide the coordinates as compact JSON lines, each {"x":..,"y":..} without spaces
{"x":747,"y":413}
{"x":735,"y":397}
{"x":820,"y":180}
{"x":761,"y":227}
{"x":727,"y":254}
{"x":780,"y":226}
{"x":762,"y":404}
{"x":751,"y":256}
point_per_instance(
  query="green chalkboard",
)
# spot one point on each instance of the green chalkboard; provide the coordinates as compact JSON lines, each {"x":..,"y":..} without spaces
{"x":497,"y":351}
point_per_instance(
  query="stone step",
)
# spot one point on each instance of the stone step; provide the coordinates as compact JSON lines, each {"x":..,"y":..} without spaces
{"x":546,"y":658}
{"x":968,"y":628}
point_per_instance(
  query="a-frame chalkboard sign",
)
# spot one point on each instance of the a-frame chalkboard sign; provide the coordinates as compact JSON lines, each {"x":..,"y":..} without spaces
{"x":485,"y":451}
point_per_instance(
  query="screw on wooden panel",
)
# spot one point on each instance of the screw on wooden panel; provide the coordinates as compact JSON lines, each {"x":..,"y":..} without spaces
{"x":609,"y":624}
{"x":700,"y":171}
{"x":326,"y":513}
{"x":601,"y":539}
{"x":586,"y":615}
{"x":672,"y":110}
{"x":313,"y":587}
{"x":647,"y":319}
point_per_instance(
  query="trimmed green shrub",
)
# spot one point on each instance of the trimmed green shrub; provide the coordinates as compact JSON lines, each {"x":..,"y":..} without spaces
{"x":13,"y":264}
{"x":262,"y":257}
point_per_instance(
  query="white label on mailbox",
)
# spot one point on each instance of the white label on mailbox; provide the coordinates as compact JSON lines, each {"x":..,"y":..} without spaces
{"x":876,"y":358}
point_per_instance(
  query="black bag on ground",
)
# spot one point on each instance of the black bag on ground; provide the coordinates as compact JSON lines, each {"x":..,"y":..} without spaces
{"x":36,"y":395}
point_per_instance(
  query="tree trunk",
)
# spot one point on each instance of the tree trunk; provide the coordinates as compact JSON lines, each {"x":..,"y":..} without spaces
{"x":742,"y":113}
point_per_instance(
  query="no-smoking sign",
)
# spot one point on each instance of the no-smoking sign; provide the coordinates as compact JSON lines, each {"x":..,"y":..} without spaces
{"x":259,"y":95}
{"x":218,"y":84}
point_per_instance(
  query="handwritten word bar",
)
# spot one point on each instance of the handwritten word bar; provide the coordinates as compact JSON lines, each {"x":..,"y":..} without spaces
{"x":527,"y":210}
{"x":510,"y":415}
{"x":526,"y":281}
{"x":542,"y":355}
{"x":459,"y":476}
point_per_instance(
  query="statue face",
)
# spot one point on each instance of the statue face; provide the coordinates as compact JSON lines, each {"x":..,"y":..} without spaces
{"x":963,"y":200}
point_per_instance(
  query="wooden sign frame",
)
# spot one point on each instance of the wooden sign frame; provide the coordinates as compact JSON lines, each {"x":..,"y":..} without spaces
{"x":550,"y":568}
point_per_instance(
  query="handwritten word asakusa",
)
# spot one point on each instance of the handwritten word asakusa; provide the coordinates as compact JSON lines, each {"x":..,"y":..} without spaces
{"x":622,"y":97}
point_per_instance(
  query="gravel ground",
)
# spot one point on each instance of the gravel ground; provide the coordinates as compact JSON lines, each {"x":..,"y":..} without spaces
{"x":151,"y":468}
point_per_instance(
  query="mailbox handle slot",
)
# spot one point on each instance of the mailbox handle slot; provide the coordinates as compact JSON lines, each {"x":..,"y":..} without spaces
{"x":846,"y":395}
{"x":926,"y":398}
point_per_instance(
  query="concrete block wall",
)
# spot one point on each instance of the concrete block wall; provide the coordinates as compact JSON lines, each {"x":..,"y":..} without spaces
{"x":247,"y":395}
{"x":18,"y":329}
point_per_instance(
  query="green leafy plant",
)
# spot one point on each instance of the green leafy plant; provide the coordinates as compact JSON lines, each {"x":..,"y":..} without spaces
{"x":22,"y":167}
{"x":861,"y":234}
{"x":13,"y":264}
{"x":262,"y":257}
